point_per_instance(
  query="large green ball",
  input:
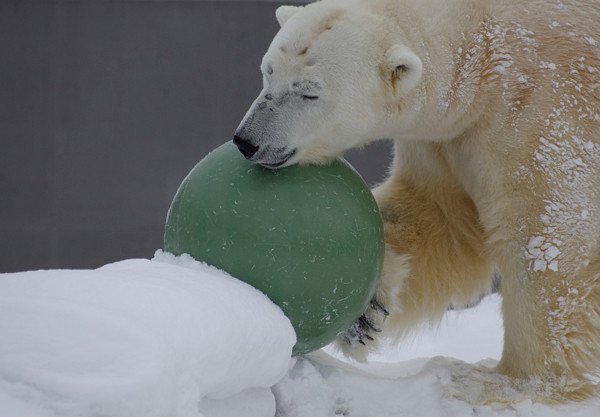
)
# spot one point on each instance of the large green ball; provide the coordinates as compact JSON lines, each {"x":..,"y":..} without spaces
{"x":309,"y":237}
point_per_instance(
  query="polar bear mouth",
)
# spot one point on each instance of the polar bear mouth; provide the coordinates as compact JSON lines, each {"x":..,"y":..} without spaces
{"x":280,"y":162}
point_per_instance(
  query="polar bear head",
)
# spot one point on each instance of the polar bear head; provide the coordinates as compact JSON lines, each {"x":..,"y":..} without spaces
{"x":331,"y":80}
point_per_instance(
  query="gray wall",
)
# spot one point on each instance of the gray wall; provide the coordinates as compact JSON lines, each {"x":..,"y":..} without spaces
{"x":104,"y":108}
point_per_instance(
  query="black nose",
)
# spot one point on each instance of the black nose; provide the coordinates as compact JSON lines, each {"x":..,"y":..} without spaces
{"x":246,"y":148}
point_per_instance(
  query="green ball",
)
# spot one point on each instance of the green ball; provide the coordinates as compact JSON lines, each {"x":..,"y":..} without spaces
{"x":309,"y":237}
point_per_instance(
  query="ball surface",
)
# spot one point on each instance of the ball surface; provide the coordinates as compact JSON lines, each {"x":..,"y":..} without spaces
{"x":309,"y":237}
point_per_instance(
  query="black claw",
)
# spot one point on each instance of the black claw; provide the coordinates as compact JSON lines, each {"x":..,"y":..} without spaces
{"x":377,"y":306}
{"x":367,"y":324}
{"x":360,"y":331}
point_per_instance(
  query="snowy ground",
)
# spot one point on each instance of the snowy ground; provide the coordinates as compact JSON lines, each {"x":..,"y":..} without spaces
{"x":171,"y":337}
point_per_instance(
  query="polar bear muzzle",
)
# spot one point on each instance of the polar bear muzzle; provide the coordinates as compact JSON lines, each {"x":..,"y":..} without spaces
{"x":267,"y":156}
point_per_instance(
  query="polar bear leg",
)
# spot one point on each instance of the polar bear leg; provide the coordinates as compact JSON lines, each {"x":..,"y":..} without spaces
{"x":552,"y":341}
{"x":435,"y":258}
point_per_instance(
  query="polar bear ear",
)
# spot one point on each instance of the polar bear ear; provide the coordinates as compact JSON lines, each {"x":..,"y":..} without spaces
{"x":283,"y":13}
{"x":406,"y":67}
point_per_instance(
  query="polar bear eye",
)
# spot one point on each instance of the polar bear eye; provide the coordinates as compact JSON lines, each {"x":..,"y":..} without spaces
{"x":309,"y":97}
{"x":267,"y":70}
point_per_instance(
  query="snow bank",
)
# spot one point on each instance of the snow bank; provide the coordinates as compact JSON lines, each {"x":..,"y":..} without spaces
{"x":139,"y":338}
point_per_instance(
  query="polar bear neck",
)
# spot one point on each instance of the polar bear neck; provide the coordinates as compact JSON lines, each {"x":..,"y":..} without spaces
{"x":463,"y":56}
{"x":468,"y":61}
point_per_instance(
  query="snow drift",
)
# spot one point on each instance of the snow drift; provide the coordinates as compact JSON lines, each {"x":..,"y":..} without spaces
{"x":138,"y":338}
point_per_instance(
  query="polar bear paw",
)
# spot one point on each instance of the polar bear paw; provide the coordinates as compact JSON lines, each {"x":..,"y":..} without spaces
{"x":369,"y":323}
{"x":478,"y":384}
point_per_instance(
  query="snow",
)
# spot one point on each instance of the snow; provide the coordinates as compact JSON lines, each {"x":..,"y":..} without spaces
{"x":138,"y":338}
{"x":335,"y":392}
{"x":172,"y":337}
{"x":542,"y":254}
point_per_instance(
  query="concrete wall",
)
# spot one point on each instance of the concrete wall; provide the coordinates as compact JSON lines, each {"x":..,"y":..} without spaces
{"x":104,"y":108}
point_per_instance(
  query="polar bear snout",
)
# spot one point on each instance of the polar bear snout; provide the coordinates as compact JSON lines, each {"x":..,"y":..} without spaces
{"x":247,"y":148}
{"x":266,"y":155}
{"x":263,"y":134}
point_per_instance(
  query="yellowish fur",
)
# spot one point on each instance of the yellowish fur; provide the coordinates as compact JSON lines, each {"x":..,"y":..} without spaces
{"x":500,"y":171}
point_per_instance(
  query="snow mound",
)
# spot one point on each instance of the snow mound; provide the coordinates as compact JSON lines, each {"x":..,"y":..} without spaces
{"x":164,"y":337}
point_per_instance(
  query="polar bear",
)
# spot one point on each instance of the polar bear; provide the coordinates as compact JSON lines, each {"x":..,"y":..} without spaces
{"x":494,"y":109}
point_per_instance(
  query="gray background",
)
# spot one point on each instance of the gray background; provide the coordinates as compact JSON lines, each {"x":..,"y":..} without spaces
{"x":104,"y":108}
